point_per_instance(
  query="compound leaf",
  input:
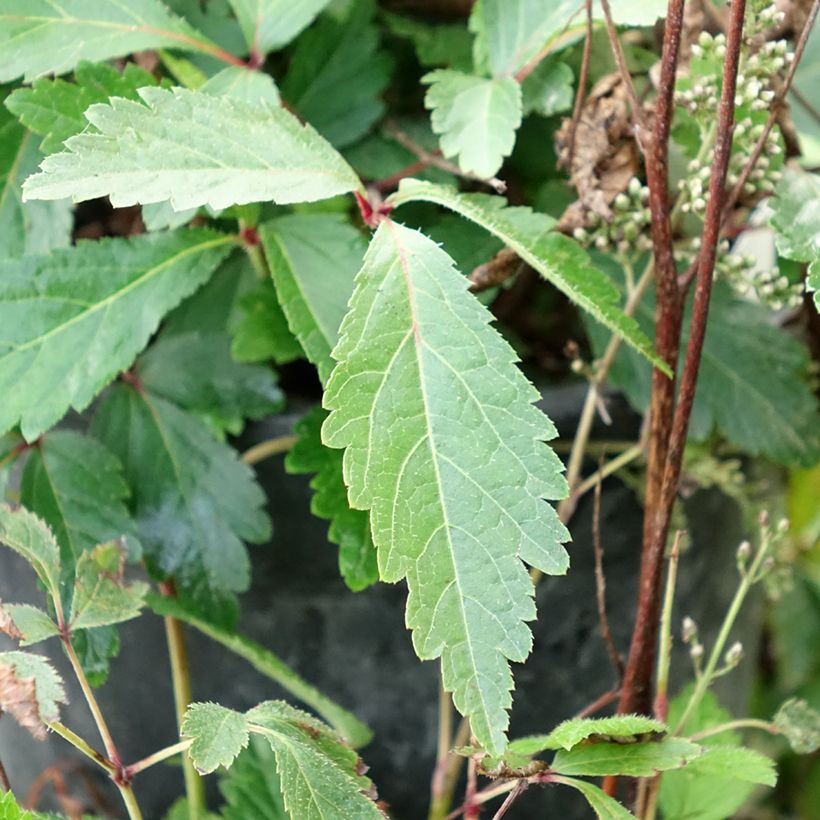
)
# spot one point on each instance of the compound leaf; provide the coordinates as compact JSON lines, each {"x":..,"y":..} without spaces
{"x":74,"y":319}
{"x":30,"y":691}
{"x":447,"y":452}
{"x":557,"y":258}
{"x":233,"y":152}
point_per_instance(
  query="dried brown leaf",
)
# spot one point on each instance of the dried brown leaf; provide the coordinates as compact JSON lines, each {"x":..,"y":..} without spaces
{"x":18,"y":697}
{"x":7,"y":625}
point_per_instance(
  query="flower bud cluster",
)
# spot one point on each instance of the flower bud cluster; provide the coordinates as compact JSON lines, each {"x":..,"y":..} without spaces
{"x":627,"y":230}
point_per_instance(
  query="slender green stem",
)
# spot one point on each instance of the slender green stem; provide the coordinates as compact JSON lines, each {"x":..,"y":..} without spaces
{"x":439,"y":798}
{"x":78,"y":743}
{"x":181,"y":677}
{"x":612,"y":466}
{"x":257,"y":260}
{"x":740,"y":723}
{"x":665,"y":652}
{"x":266,"y":449}
{"x":130,"y":800}
{"x":158,"y":757}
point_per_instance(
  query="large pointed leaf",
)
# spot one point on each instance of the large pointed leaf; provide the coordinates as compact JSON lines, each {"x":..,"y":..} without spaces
{"x":319,"y":775}
{"x":30,"y":691}
{"x":31,"y":227}
{"x":475,"y":117}
{"x":55,"y":109}
{"x":43,"y":36}
{"x":446,"y":450}
{"x":193,"y":500}
{"x":193,"y":149}
{"x":556,"y":257}
{"x":74,"y":319}
{"x":313,"y":259}
{"x":349,"y":528}
{"x":271,"y":24}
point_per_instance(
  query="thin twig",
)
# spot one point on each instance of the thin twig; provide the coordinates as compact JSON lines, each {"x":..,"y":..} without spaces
{"x":266,"y":449}
{"x":599,"y":703}
{"x":580,"y":94}
{"x":600,"y":584}
{"x":158,"y":757}
{"x":519,"y":789}
{"x":740,"y":723}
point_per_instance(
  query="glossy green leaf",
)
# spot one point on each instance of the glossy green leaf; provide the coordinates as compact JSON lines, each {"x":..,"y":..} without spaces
{"x":251,"y":786}
{"x":800,"y":723}
{"x":556,"y":257}
{"x":337,"y":73}
{"x":45,"y":37}
{"x":269,"y":665}
{"x":572,"y":732}
{"x":193,"y":500}
{"x":271,"y":24}
{"x":630,"y":759}
{"x":30,"y":537}
{"x":74,"y":319}
{"x":197,"y":372}
{"x":313,"y":259}
{"x":27,"y":624}
{"x":101,"y":595}
{"x":446,"y":450}
{"x":233,"y":152}
{"x":31,"y":691}
{"x":475,"y":117}
{"x":252,"y":87}
{"x":218,"y":734}
{"x":604,"y":806}
{"x":349,"y":528}
{"x":55,"y":109}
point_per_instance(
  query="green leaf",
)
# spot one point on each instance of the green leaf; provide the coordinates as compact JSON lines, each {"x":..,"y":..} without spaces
{"x":30,"y":691}
{"x":101,"y":596}
{"x":244,"y":84}
{"x":436,"y":44}
{"x":233,"y":153}
{"x":26,"y":623}
{"x":55,"y":109}
{"x":753,"y":386}
{"x":30,"y":227}
{"x":193,"y":500}
{"x":76,"y":485}
{"x":251,"y":786}
{"x":800,"y":723}
{"x":446,"y":450}
{"x":197,"y":372}
{"x":548,"y":89}
{"x":630,"y":759}
{"x":313,"y":259}
{"x":219,"y":735}
{"x":571,"y":732}
{"x":271,"y":24}
{"x":320,"y":776}
{"x":10,"y":810}
{"x":337,"y":73}
{"x":262,"y":331}
{"x":268,"y":664}
{"x":74,"y":319}
{"x":604,"y":806}
{"x":349,"y":528}
{"x":736,"y":763}
{"x":475,"y":117}
{"x":556,"y":257}
{"x":96,"y":648}
{"x":43,"y":37}
{"x":30,"y":537}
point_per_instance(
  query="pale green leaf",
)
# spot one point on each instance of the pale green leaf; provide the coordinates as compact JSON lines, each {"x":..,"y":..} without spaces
{"x":45,"y":37}
{"x":320,"y":776}
{"x":800,"y":723}
{"x":193,"y":149}
{"x":475,"y":117}
{"x":604,"y":806}
{"x":349,"y":528}
{"x":30,"y":691}
{"x":630,"y":759}
{"x":571,"y":732}
{"x":74,"y":319}
{"x":30,"y":227}
{"x":219,"y":734}
{"x":193,"y":500}
{"x":271,"y":24}
{"x":736,"y":763}
{"x":243,"y":84}
{"x":28,"y":536}
{"x":556,"y":257}
{"x":337,"y":73}
{"x":313,"y":259}
{"x":251,"y":786}
{"x":101,"y":595}
{"x":55,"y":109}
{"x":796,"y":216}
{"x":26,"y":623}
{"x":446,"y":450}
